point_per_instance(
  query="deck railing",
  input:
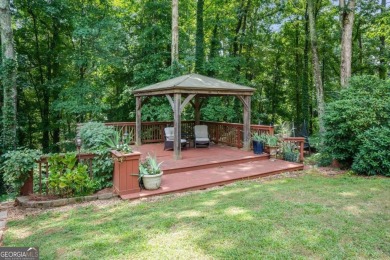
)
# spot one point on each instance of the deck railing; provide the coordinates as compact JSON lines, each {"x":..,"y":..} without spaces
{"x":226,"y":133}
{"x":231,"y":133}
{"x":152,"y":132}
{"x":299,"y":142}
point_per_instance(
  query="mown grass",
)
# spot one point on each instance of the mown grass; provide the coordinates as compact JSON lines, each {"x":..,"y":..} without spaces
{"x":311,"y":216}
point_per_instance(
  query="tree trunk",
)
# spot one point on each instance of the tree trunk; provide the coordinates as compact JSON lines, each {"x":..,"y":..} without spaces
{"x":175,"y":35}
{"x":346,"y":17}
{"x":9,"y":70}
{"x":305,"y":74}
{"x":199,"y":48}
{"x":298,"y":108}
{"x":316,"y":67}
{"x":382,"y":48}
{"x":55,"y":74}
{"x":44,"y":108}
{"x":214,"y":46}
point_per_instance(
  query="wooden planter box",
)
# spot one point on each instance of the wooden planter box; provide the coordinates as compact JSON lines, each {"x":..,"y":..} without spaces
{"x":126,"y":172}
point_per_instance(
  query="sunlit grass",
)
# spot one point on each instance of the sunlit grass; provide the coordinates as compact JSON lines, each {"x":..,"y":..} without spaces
{"x":306,"y":217}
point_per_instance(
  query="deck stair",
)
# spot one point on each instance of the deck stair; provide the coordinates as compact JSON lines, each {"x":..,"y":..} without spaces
{"x":202,"y":168}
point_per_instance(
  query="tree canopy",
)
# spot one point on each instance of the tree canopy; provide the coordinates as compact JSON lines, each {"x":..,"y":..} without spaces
{"x":80,"y":60}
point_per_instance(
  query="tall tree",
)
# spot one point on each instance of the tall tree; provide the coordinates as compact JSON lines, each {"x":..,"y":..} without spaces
{"x":382,"y":49}
{"x":347,"y":12}
{"x":175,"y":35}
{"x":8,"y":78}
{"x":305,"y":73}
{"x":199,"y":38}
{"x":316,"y":66}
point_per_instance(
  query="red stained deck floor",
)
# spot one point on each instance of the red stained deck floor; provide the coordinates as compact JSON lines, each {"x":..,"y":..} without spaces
{"x":199,"y":158}
{"x":207,"y":167}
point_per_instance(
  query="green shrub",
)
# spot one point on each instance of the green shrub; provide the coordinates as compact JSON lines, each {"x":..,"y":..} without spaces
{"x":361,"y":106}
{"x":67,"y":178}
{"x":373,"y":154}
{"x":94,"y":138}
{"x":17,"y":166}
{"x":94,"y":135}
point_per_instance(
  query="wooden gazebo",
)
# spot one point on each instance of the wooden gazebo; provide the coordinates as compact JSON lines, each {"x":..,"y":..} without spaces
{"x":189,"y":87}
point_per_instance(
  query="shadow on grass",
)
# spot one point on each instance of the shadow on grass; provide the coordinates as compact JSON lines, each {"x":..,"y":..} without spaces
{"x":302,"y":217}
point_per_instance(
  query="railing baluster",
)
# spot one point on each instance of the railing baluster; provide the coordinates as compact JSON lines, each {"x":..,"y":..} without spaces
{"x":47,"y":177}
{"x":40,"y":176}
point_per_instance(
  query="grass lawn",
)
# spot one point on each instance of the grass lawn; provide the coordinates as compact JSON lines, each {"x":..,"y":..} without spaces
{"x":311,"y":216}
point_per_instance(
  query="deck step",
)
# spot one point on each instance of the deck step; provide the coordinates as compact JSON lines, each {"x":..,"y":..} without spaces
{"x":216,"y":176}
{"x":200,"y":163}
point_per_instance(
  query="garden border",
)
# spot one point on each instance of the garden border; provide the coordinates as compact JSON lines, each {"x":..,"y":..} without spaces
{"x":24,"y":201}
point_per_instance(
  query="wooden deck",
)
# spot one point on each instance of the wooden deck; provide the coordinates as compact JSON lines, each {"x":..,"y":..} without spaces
{"x":199,"y":158}
{"x":202,"y":168}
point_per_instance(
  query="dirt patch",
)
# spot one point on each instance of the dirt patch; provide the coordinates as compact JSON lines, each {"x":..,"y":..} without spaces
{"x":38,"y":197}
{"x":104,"y":191}
{"x":46,"y":197}
{"x":16,"y":213}
{"x":330,"y":171}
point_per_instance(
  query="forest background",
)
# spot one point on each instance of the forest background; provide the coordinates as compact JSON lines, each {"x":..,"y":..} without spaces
{"x":80,"y":60}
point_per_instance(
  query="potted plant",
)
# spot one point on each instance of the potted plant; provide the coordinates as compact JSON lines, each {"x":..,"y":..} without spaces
{"x":126,"y":163}
{"x":150,"y":173}
{"x":272,"y":144}
{"x":258,"y":141}
{"x":17,"y":169}
{"x":119,"y":142}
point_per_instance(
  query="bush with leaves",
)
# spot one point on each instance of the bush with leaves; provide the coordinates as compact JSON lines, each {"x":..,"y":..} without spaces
{"x":373,"y":156}
{"x":94,"y":135}
{"x":363,"y":105}
{"x":17,"y":167}
{"x":94,"y":138}
{"x":67,"y":178}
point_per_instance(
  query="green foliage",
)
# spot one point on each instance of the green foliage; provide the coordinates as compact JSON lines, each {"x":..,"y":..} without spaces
{"x":67,"y":178}
{"x":372,"y":157}
{"x":88,"y":56}
{"x":102,"y":169}
{"x":9,"y":124}
{"x":271,"y":140}
{"x":17,"y":167}
{"x":259,"y":137}
{"x":94,"y":135}
{"x":290,"y":152}
{"x":363,"y":105}
{"x":120,"y":141}
{"x":222,"y":109}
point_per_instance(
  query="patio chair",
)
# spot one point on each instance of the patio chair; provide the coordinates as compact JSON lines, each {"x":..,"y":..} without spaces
{"x":168,"y":142}
{"x":201,"y":136}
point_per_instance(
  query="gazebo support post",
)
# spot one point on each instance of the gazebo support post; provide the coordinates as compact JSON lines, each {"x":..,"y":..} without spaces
{"x":177,"y":127}
{"x":246,"y":100}
{"x":197,"y":110}
{"x":199,"y":86}
{"x":138,"y":105}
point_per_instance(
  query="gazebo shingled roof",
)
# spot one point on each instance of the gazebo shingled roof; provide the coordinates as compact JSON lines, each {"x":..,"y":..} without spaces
{"x":193,"y":86}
